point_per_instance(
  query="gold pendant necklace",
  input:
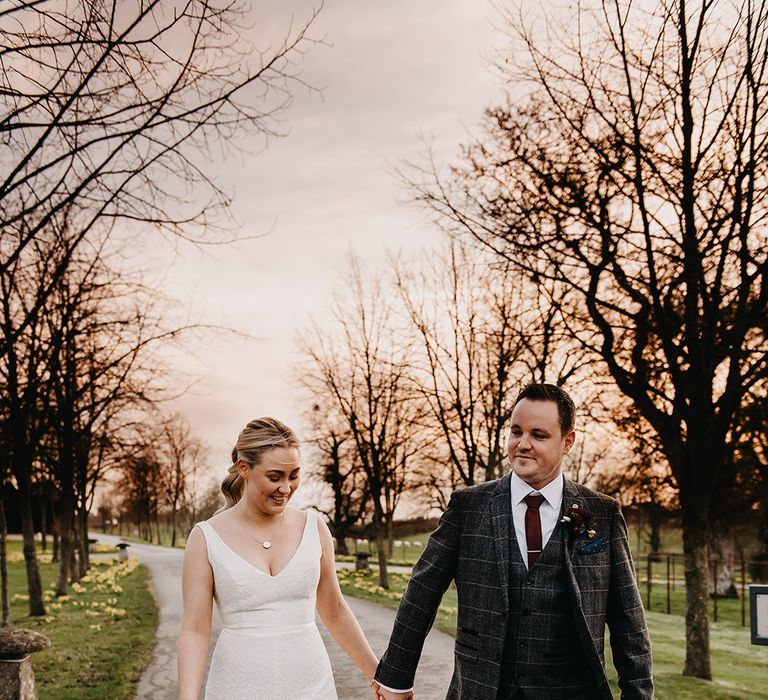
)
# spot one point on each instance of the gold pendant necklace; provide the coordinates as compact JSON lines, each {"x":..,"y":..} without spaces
{"x":267,"y":543}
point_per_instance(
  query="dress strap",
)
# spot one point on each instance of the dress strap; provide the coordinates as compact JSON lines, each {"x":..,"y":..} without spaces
{"x":211,"y":538}
{"x":313,"y":536}
{"x":312,"y":524}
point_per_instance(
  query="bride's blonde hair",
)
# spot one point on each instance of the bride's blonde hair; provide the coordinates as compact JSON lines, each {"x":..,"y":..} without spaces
{"x":257,"y":438}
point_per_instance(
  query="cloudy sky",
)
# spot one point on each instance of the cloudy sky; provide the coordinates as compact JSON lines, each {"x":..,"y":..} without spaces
{"x":393,"y":73}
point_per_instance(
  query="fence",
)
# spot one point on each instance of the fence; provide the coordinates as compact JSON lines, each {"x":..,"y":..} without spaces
{"x":661,"y":578}
{"x":403,"y":550}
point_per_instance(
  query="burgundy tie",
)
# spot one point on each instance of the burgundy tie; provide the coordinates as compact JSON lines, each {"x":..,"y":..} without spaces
{"x":533,"y":527}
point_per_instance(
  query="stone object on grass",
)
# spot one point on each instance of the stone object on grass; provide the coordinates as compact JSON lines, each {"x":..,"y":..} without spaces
{"x":17,"y":681}
{"x":122,"y":551}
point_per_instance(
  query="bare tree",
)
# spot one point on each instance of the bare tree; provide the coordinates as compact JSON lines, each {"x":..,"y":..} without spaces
{"x":6,"y":609}
{"x":106,"y":107}
{"x":464,"y":365}
{"x":633,"y":173}
{"x":184,"y":456}
{"x":26,"y":364}
{"x":359,"y":367}
{"x":751,"y":485}
{"x":340,"y":471}
{"x":207,"y":500}
{"x":477,"y":340}
{"x":140,"y":487}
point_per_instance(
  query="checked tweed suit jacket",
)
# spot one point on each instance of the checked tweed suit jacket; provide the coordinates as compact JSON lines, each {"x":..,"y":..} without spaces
{"x":475,"y":546}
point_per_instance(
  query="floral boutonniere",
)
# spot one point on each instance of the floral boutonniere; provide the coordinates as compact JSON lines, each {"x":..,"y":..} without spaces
{"x":579,"y":519}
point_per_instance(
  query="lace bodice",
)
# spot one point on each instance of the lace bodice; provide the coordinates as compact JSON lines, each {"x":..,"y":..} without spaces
{"x":269,"y":647}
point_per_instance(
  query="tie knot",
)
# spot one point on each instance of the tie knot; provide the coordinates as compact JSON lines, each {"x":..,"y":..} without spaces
{"x":534,"y":500}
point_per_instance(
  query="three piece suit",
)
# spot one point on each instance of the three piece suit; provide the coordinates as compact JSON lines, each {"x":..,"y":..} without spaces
{"x":535,"y":634}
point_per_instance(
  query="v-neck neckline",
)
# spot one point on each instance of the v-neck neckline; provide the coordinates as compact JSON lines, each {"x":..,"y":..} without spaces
{"x":259,"y":569}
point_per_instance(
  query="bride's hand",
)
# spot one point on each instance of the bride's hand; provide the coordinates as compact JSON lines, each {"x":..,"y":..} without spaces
{"x":382,"y":694}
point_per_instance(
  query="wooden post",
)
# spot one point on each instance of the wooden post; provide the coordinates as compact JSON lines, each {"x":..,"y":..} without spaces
{"x":743,"y":591}
{"x":669,"y":586}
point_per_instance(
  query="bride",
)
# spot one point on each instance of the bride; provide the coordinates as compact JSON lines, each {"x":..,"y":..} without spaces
{"x":268,"y":566}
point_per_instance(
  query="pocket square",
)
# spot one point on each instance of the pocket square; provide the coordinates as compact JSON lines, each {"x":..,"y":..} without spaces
{"x":594,"y":547}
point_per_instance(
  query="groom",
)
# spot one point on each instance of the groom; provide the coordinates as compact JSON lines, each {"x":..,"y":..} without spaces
{"x":540,"y":564}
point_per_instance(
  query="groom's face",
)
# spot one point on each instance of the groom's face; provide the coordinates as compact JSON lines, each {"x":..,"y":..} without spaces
{"x":536,"y":444}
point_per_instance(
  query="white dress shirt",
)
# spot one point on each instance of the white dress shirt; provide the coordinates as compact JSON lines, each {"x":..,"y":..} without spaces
{"x":549,"y":511}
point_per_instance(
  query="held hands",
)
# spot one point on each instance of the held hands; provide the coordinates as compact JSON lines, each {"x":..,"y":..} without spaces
{"x":383,"y":694}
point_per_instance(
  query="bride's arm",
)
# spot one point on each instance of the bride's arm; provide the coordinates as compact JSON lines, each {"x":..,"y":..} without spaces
{"x":195,"y":635}
{"x":335,"y":613}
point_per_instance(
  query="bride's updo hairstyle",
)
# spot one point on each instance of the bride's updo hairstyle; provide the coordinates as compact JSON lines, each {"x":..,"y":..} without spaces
{"x":257,"y":438}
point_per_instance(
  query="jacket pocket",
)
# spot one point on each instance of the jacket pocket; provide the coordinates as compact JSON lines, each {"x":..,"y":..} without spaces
{"x":467,"y":642}
{"x":591,"y":548}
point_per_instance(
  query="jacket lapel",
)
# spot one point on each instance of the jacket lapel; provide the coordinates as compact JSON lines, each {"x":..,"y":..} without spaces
{"x":571,"y":496}
{"x":501,"y":518}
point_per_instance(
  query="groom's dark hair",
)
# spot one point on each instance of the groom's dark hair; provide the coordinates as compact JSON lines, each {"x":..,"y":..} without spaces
{"x":566,"y":410}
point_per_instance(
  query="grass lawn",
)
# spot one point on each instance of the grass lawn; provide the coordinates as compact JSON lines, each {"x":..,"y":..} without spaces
{"x":101,"y":634}
{"x":740,"y":669}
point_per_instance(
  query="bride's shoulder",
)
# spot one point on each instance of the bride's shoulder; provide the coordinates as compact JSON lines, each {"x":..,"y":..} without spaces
{"x":222,"y":516}
{"x":221,"y":521}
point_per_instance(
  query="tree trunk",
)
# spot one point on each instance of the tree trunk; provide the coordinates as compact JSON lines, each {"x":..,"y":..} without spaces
{"x":75,"y":551}
{"x":654,"y":538}
{"x":34,"y":584}
{"x":84,"y":559}
{"x":44,"y":523}
{"x":55,"y":532}
{"x":6,"y":622}
{"x":655,"y":517}
{"x":173,"y":525}
{"x":380,"y":529}
{"x":721,"y":566}
{"x":341,"y":545}
{"x":73,"y":567}
{"x":340,"y":533}
{"x":66,"y":508}
{"x":697,"y":656}
{"x":341,"y":540}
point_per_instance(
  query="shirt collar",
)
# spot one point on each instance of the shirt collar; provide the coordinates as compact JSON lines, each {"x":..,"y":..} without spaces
{"x":552,"y":492}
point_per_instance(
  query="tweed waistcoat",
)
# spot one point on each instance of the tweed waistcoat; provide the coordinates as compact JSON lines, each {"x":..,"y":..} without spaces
{"x":542,"y":641}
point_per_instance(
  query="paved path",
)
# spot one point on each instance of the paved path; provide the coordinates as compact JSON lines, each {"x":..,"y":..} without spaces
{"x":159,"y":680}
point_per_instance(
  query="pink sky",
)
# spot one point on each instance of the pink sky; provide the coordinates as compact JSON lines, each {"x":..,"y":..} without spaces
{"x":396,"y":71}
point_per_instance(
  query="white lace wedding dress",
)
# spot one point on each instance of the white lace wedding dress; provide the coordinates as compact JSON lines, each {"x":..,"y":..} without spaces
{"x":270,"y":647}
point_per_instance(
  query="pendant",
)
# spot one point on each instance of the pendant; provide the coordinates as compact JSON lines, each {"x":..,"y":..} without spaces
{"x":266,"y":544}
